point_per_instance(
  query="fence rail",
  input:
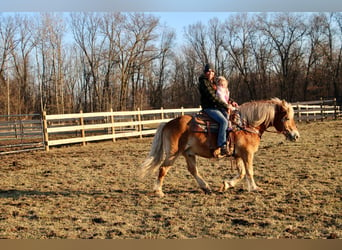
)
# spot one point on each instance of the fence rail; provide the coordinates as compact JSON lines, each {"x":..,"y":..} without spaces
{"x":19,"y":134}
{"x":316,"y":110}
{"x":86,"y":127}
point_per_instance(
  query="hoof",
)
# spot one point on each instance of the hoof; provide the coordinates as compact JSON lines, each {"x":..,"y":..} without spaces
{"x":207,"y":191}
{"x":158,"y":193}
{"x":257,"y":190}
{"x":225,"y":185}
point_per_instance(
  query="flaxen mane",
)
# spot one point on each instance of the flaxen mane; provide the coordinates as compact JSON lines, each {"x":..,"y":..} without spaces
{"x":258,"y":112}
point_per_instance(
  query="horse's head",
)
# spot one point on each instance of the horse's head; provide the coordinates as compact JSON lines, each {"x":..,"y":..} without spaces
{"x":284,"y":121}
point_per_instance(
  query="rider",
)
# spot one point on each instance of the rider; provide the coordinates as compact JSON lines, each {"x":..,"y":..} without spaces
{"x":223,"y":93}
{"x":212,"y":104}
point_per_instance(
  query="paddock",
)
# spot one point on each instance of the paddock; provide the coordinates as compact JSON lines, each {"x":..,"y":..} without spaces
{"x":92,"y":192}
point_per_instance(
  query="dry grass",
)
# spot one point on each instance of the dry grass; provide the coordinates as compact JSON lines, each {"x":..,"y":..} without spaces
{"x":92,"y":192}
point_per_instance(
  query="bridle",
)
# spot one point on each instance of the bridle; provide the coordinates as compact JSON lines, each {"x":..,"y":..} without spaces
{"x":250,"y":129}
{"x":256,"y":131}
{"x":285,"y":131}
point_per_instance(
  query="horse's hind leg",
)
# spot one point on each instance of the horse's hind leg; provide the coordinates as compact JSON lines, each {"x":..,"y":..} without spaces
{"x":159,"y":183}
{"x":191,"y":164}
{"x":163,"y":169}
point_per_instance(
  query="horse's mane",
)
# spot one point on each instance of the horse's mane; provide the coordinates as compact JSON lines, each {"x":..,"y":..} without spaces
{"x":258,"y":112}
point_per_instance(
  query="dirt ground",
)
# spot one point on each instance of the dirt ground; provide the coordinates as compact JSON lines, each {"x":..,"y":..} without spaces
{"x":89,"y":192}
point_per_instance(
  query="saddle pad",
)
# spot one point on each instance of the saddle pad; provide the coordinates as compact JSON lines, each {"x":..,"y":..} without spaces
{"x":202,"y":123}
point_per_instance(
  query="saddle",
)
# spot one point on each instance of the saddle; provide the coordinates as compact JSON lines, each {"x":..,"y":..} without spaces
{"x":203,"y":123}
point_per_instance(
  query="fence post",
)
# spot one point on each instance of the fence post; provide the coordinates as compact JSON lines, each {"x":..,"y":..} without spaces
{"x":82,"y":125}
{"x":112,"y":121}
{"x":162,"y":113}
{"x":45,"y":132}
{"x":22,"y":129}
{"x":182,"y":110}
{"x":322,"y":117}
{"x":15,"y":129}
{"x":139,"y":126}
{"x":335,"y":109}
{"x":299,"y":114}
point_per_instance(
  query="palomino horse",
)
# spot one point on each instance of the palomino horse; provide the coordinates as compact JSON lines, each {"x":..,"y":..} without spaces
{"x":176,"y":138}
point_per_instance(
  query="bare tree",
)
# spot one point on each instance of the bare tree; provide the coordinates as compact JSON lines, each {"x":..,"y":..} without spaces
{"x":86,"y":31}
{"x":127,"y":60}
{"x":7,"y":45}
{"x":72,"y":70}
{"x":197,"y":37}
{"x":22,"y":63}
{"x":136,"y":53}
{"x":332,"y":53}
{"x":286,"y":32}
{"x":49,"y":61}
{"x":238,"y":42}
{"x":217,"y":36}
{"x":111,"y":28}
{"x":338,"y":61}
{"x":313,"y":57}
{"x":162,"y":70}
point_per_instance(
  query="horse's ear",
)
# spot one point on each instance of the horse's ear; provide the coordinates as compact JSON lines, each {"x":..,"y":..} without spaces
{"x":281,"y":107}
{"x":286,"y":106}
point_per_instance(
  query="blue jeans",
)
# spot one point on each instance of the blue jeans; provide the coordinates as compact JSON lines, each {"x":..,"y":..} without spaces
{"x":223,"y":125}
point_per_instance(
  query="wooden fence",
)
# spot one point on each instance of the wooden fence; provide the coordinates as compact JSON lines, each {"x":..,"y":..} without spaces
{"x":86,"y":127}
{"x":55,"y":130}
{"x":21,"y":133}
{"x":316,"y":110}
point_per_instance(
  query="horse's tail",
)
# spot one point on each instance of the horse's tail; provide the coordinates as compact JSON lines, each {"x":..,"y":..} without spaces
{"x":155,"y":157}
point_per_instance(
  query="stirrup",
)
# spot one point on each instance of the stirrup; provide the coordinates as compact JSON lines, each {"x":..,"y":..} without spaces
{"x":231,"y":151}
{"x":217,"y":153}
{"x":223,"y":150}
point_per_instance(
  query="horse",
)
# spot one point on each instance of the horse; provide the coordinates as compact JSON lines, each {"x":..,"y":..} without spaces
{"x":176,"y":138}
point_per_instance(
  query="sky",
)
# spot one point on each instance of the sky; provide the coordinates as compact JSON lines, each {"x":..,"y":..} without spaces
{"x":172,"y":5}
{"x":179,"y":20}
{"x":176,"y":14}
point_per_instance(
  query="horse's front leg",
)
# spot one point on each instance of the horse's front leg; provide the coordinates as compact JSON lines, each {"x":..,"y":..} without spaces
{"x":191,"y":164}
{"x":236,"y":179}
{"x":250,"y":173}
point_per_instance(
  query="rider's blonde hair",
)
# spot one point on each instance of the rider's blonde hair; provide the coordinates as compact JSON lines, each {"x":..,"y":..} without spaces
{"x":222,"y":81}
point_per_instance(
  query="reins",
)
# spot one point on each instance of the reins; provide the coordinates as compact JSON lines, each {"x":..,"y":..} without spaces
{"x":244,"y":127}
{"x":249,"y":131}
{"x":275,"y":132}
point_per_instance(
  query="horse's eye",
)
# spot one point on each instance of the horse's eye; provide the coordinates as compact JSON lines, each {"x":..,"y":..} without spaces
{"x":285,"y":119}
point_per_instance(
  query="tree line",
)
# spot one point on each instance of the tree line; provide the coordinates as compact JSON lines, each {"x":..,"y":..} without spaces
{"x":66,"y":62}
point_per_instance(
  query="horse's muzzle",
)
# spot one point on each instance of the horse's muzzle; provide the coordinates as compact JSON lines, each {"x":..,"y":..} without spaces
{"x":292,"y":135}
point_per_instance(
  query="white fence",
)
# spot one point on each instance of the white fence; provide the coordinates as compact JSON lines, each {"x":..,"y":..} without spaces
{"x":86,"y":127}
{"x":316,"y":110}
{"x":21,"y":133}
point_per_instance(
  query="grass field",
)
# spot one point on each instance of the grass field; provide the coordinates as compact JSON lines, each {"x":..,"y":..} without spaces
{"x":91,"y":192}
